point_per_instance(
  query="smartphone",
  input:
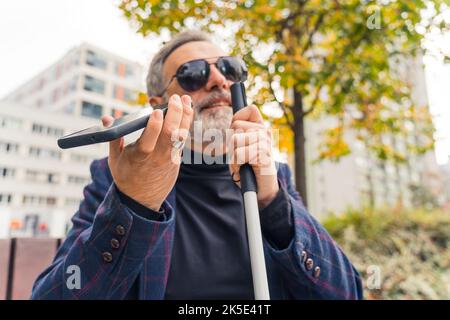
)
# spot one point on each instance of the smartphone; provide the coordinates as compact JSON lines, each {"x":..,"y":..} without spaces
{"x":119,"y":128}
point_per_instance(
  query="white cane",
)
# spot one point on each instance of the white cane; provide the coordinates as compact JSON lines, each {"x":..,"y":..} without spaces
{"x":249,"y":189}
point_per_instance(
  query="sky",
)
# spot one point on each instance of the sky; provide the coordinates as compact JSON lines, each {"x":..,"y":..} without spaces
{"x":34,"y":34}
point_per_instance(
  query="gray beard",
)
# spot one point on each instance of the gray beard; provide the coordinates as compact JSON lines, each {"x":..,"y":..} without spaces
{"x":212,"y":119}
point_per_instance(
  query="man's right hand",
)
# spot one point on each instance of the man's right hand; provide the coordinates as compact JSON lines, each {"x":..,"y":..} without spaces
{"x":146,"y":170}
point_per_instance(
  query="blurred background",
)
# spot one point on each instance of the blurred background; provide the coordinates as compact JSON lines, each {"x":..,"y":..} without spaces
{"x":358,"y":91}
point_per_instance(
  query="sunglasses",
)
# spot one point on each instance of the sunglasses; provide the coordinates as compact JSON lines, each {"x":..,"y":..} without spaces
{"x":194,"y":74}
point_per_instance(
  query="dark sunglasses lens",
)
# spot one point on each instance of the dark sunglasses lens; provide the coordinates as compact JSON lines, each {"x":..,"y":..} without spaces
{"x":233,"y":68}
{"x":193,"y":75}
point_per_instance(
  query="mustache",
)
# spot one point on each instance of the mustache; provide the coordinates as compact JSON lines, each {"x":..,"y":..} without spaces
{"x":213,"y":98}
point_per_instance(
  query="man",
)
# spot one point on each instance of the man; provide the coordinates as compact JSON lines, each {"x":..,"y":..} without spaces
{"x":152,"y":228}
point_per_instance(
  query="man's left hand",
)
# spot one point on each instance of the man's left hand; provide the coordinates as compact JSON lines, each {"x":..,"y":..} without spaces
{"x":251,"y":142}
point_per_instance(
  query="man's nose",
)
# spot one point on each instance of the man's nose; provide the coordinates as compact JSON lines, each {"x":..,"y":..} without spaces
{"x":217,"y":79}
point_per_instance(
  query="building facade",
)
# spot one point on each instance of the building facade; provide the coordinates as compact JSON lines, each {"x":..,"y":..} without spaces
{"x":360,"y":179}
{"x":40,"y":184}
{"x":87,"y":81}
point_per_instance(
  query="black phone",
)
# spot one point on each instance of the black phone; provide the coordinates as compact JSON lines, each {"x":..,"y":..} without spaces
{"x":120,"y":127}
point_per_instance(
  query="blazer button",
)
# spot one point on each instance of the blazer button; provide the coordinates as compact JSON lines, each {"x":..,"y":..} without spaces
{"x":107,"y":256}
{"x":115,"y":244}
{"x":309,"y":264}
{"x":120,"y":230}
{"x":316,"y":272}
{"x":304,"y":256}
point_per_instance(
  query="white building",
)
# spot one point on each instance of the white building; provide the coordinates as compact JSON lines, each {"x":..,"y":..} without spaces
{"x":40,"y":184}
{"x":87,"y":81}
{"x":359,"y":179}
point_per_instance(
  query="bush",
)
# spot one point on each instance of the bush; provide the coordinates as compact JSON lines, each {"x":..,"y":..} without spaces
{"x":410,"y":248}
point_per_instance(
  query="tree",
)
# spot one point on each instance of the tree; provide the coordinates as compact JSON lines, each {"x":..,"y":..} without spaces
{"x":316,"y":57}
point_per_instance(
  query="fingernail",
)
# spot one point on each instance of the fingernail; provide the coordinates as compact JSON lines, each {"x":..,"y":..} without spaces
{"x":186,"y":100}
{"x":157,"y":114}
{"x":176,"y":98}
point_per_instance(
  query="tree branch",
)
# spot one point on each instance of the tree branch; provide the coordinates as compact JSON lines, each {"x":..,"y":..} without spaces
{"x":289,"y":18}
{"x":313,"y":32}
{"x":314,"y":102}
{"x":283,"y":107}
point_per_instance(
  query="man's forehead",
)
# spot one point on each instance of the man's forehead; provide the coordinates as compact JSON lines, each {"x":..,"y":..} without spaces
{"x":191,"y":51}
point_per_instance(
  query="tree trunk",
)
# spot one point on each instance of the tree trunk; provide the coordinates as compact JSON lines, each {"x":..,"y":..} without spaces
{"x":299,"y":146}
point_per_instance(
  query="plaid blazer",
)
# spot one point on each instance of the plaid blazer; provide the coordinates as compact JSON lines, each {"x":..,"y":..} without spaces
{"x":137,"y":265}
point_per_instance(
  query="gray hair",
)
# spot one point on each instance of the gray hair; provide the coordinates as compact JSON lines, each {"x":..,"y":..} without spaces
{"x":155,"y":79}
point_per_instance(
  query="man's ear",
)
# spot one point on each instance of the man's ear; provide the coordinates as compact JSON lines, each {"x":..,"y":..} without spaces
{"x":154,"y":101}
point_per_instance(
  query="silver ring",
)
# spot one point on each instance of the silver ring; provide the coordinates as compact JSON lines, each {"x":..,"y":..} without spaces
{"x":178,"y":144}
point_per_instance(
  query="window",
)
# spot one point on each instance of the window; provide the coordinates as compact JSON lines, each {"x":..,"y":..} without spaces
{"x":69,"y":108}
{"x":10,"y":123}
{"x":50,"y":154}
{"x":39,"y":200}
{"x":73,"y":84}
{"x":37,"y":128}
{"x":94,"y":85}
{"x":124,"y":70}
{"x":79,"y":158}
{"x":72,"y":202}
{"x":46,"y":130}
{"x":124,"y":94}
{"x":72,"y":62}
{"x":44,"y":153}
{"x":95,"y":60}
{"x":34,"y":151}
{"x":42,"y":177}
{"x":31,"y":175}
{"x":52,"y":178}
{"x":5,"y":198}
{"x":77,"y":180}
{"x":51,"y":131}
{"x":55,"y":95}
{"x":7,"y":172}
{"x":41,"y":83}
{"x":50,"y":201}
{"x":9,"y":147}
{"x":29,"y":199}
{"x":93,"y":110}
